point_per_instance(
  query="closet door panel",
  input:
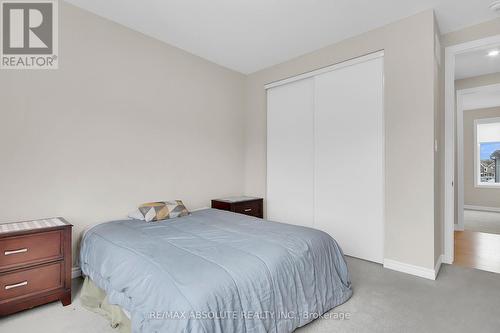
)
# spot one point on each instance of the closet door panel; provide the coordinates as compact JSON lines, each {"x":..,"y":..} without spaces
{"x":349,"y":152}
{"x":290,"y":155}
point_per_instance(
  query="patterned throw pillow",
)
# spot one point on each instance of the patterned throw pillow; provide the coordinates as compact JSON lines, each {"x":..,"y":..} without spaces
{"x":162,"y":210}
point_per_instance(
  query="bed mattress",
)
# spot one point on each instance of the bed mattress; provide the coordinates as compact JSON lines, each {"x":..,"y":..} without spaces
{"x":216,"y":271}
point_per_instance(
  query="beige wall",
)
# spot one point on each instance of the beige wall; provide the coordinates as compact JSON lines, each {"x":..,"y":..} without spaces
{"x":474,"y":196}
{"x":478,"y":81}
{"x":124,"y":120}
{"x":479,"y":31}
{"x":409,"y":121}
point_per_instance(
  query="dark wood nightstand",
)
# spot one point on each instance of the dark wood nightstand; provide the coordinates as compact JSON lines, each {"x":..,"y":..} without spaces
{"x":244,"y":205}
{"x":35,"y":264}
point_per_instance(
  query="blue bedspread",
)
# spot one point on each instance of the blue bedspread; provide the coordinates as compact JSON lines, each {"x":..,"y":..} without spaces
{"x":216,"y":271}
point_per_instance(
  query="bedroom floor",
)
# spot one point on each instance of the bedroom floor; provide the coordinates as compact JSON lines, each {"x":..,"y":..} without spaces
{"x":383,"y":301}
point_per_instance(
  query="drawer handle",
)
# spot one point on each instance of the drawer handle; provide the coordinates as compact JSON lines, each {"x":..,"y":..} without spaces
{"x":8,"y":253}
{"x":17,"y":285}
{"x":248,"y":210}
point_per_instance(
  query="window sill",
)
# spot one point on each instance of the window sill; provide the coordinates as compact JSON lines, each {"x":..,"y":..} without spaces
{"x":488,"y":185}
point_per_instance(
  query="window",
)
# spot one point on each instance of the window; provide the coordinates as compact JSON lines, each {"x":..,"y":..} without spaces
{"x":487,"y":165}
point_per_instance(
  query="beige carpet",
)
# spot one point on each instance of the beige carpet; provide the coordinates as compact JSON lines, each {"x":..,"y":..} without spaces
{"x":461,"y":300}
{"x":475,"y":220}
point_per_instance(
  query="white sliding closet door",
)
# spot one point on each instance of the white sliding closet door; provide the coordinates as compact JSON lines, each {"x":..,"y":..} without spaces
{"x":290,"y":152}
{"x":349,"y":153}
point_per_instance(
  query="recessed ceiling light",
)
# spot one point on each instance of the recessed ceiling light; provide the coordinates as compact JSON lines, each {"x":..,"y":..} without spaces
{"x":493,"y":53}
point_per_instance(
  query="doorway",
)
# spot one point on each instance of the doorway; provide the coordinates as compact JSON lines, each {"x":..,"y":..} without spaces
{"x":472,"y":172}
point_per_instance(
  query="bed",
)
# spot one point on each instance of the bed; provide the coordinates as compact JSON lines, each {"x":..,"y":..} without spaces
{"x":216,"y":271}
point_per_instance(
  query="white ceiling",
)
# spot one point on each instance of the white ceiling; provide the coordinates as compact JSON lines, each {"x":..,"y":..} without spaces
{"x":249,"y":35}
{"x":476,"y":63}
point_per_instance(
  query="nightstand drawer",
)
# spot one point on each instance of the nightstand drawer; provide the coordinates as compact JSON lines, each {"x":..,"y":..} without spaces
{"x":30,"y":249}
{"x":252,"y":208}
{"x":31,"y":281}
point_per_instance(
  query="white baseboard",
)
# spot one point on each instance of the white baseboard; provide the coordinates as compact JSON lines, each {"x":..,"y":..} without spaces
{"x":76,"y":272}
{"x":427,"y":273}
{"x":439,"y":262}
{"x":482,"y":208}
{"x":447,"y":259}
{"x":459,"y":227}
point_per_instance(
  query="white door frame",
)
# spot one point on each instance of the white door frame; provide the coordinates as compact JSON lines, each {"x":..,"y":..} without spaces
{"x":460,"y":147}
{"x":449,"y":162}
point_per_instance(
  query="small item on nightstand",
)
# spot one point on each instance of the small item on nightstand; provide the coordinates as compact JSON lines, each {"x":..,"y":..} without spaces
{"x":35,"y":264}
{"x":243,"y":205}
